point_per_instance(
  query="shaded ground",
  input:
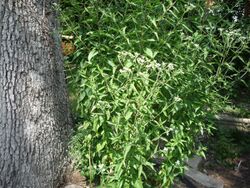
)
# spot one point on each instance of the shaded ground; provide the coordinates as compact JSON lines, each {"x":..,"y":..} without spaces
{"x":229,"y":160}
{"x":75,"y":178}
{"x":240,"y":104}
{"x":236,"y":176}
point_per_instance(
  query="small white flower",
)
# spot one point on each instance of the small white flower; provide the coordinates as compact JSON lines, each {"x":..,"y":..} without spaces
{"x":165,"y":149}
{"x":100,"y":166}
{"x":125,"y":69}
{"x":170,"y":66}
{"x":177,"y":162}
{"x":177,"y":99}
{"x":140,"y":60}
{"x":158,"y":65}
{"x":221,"y":29}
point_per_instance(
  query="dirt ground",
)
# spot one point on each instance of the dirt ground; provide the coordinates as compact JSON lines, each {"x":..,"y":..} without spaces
{"x":238,"y":174}
{"x":233,"y":177}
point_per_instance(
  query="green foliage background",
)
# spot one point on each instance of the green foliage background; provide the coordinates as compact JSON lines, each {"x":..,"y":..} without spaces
{"x":147,"y":76}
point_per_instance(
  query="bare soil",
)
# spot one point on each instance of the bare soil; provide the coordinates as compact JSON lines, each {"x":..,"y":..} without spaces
{"x":237,"y":176}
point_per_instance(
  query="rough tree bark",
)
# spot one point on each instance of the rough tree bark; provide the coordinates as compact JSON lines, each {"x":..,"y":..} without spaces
{"x":34,"y":115}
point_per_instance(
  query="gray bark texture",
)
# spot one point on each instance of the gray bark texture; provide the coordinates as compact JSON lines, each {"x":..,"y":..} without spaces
{"x":34,"y":113}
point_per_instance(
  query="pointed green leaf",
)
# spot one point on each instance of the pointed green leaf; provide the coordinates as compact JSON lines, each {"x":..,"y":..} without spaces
{"x":92,"y":54}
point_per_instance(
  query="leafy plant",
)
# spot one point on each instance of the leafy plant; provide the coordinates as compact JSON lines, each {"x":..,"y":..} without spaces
{"x":225,"y":149}
{"x":237,"y":111}
{"x":146,"y":76}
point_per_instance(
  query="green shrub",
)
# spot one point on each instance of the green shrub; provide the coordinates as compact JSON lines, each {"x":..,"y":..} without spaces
{"x":146,"y":77}
{"x":223,"y":147}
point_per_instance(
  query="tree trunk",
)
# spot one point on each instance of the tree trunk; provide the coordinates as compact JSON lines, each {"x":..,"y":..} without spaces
{"x":34,"y":113}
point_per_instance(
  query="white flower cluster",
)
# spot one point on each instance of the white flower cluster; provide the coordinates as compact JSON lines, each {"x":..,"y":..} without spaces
{"x":177,"y":99}
{"x":235,"y":32}
{"x":125,"y":69}
{"x":170,"y":66}
{"x":100,"y":167}
{"x":143,"y":61}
